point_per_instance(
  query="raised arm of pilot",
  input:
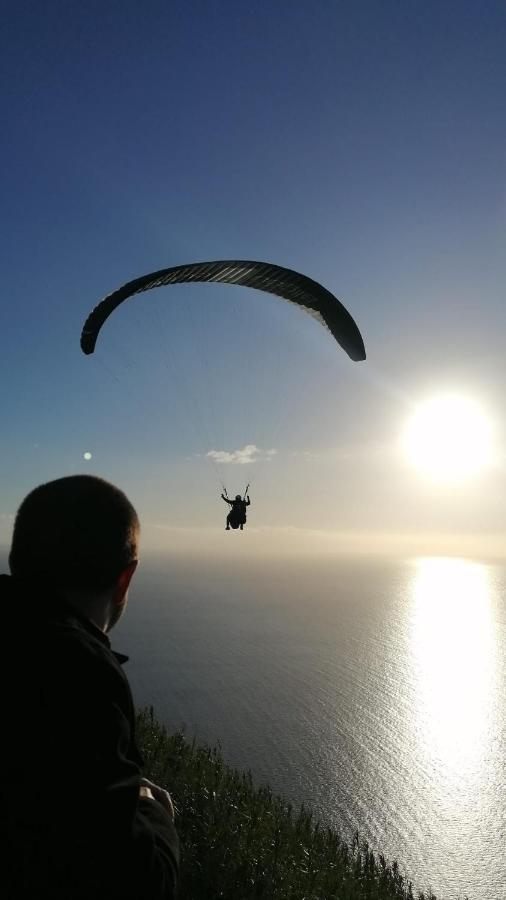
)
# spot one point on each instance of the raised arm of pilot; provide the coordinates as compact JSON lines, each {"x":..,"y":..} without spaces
{"x":226,"y":499}
{"x":247,"y":501}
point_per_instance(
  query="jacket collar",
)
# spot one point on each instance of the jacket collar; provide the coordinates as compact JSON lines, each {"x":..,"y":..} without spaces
{"x":50,"y":601}
{"x":93,"y":629}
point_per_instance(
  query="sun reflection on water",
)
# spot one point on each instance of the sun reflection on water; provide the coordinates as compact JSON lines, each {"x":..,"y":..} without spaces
{"x":454,"y":658}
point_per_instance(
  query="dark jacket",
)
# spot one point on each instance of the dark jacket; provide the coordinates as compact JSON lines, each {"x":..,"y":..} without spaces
{"x":72,"y":826}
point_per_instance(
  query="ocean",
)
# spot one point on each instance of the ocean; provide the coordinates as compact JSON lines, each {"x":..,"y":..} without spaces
{"x":372,"y":691}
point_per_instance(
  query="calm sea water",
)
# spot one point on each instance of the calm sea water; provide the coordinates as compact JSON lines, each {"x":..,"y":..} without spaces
{"x":372,"y":692}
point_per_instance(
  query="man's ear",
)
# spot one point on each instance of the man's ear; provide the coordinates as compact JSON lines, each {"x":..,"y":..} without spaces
{"x":123,"y":582}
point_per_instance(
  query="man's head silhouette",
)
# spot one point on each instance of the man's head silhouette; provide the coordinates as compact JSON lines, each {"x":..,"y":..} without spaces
{"x":78,"y":535}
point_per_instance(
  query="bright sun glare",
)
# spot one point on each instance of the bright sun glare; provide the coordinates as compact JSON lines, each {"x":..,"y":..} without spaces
{"x":448,"y":439}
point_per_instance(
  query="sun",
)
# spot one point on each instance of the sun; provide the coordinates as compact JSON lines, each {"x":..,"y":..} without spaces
{"x":449,"y":438}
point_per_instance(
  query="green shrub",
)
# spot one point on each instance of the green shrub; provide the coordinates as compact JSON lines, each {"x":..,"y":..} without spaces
{"x":240,"y":842}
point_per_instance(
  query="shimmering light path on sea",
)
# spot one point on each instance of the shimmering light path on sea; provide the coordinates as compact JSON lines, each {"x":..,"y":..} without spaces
{"x":371,"y":691}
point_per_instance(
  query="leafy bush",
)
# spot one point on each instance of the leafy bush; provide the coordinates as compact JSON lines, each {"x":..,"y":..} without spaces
{"x":240,"y":842}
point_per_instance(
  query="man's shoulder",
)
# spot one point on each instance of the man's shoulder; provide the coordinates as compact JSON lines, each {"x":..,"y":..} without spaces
{"x":65,"y":633}
{"x":53,"y":634}
{"x":82,"y":645}
{"x":74,"y":665}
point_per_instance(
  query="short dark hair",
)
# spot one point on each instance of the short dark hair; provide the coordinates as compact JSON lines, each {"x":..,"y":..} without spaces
{"x":75,"y":532}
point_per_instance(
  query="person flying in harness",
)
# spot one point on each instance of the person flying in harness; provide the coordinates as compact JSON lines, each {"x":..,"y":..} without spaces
{"x":237,"y":515}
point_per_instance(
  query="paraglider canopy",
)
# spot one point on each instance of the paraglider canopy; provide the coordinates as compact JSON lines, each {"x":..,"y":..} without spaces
{"x":229,"y":440}
{"x":285,"y":283}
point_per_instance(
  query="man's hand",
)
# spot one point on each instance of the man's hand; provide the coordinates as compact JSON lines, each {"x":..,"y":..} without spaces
{"x":157,"y":793}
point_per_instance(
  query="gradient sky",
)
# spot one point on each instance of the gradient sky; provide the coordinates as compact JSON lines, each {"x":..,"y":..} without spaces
{"x":360,"y":143}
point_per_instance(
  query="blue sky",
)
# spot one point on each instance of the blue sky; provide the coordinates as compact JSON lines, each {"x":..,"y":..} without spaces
{"x":360,"y":143}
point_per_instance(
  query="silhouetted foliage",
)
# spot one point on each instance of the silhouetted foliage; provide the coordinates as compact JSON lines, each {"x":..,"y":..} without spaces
{"x":239,"y":841}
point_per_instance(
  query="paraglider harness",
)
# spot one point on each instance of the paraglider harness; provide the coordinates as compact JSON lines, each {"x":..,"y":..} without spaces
{"x":237,"y":515}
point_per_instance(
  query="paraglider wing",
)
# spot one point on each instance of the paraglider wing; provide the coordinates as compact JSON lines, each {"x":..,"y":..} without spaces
{"x":284,"y":283}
